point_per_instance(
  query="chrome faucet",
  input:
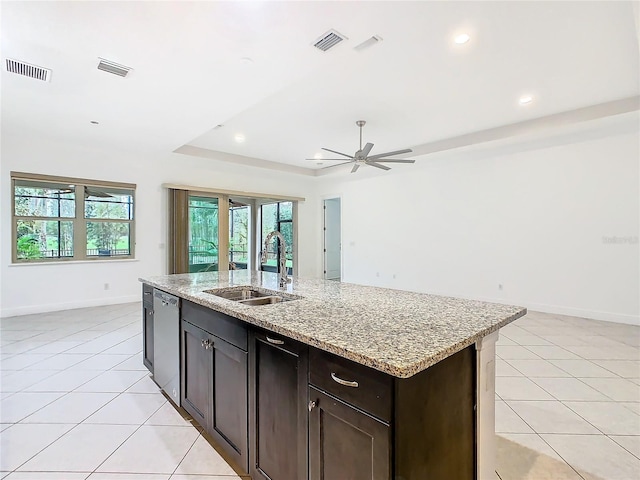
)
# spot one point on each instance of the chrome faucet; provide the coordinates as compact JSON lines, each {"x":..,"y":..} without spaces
{"x":284,"y":279}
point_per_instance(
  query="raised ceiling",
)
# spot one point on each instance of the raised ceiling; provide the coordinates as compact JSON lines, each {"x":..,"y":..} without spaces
{"x":251,"y":67}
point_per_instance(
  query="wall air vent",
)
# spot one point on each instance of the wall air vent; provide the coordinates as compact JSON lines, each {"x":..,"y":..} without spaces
{"x":329,"y":40}
{"x":113,"y":67}
{"x":28,"y":70}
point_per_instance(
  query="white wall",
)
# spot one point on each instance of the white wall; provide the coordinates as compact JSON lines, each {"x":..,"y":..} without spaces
{"x":527,"y":216}
{"x":37,"y":288}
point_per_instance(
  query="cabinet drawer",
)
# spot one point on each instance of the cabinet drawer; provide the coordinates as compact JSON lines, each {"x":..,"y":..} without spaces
{"x":223,"y":326}
{"x":147,"y":294}
{"x":339,"y":376}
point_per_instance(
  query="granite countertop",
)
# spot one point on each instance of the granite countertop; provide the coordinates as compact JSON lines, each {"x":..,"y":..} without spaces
{"x":397,"y":332}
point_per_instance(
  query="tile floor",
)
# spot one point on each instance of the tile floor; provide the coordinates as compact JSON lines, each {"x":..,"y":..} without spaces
{"x":568,"y":399}
{"x":76,"y":402}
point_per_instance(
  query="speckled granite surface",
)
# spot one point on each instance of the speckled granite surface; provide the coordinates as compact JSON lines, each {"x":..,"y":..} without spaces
{"x":397,"y":332}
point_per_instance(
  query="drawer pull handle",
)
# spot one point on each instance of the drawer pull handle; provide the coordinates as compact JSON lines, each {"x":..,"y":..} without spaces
{"x":147,"y":293}
{"x":274,"y":341}
{"x":346,"y":383}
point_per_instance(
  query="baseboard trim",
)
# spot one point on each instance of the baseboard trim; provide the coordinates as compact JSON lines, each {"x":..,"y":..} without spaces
{"x":56,"y":307}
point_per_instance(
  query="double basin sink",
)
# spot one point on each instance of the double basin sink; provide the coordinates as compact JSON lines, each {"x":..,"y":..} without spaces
{"x":252,"y":296}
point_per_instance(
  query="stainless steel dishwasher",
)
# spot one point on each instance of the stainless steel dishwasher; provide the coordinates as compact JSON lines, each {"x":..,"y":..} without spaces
{"x":166,"y":343}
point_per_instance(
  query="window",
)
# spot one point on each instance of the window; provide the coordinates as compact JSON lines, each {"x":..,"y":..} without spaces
{"x":277,"y":216}
{"x":57,"y":218}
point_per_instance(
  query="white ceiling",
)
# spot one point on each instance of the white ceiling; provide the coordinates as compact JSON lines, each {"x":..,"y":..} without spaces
{"x":416,"y":87}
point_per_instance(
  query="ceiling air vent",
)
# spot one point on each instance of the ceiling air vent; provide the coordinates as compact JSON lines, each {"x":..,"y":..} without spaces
{"x":328,"y":40}
{"x":28,"y":70}
{"x":113,"y":67}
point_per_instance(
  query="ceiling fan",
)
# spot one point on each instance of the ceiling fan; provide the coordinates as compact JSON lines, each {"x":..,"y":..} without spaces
{"x":362,"y":157}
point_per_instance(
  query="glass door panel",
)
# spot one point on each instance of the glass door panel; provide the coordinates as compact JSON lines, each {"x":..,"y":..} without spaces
{"x":239,"y":218}
{"x":203,"y":234}
{"x":277,"y":216}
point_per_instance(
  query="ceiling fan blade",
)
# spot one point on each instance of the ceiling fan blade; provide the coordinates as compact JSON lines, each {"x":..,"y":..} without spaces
{"x":377,"y":165}
{"x":382,"y":155}
{"x":367,"y":148}
{"x":323,"y":159}
{"x":395,"y":160}
{"x":355,"y":168}
{"x":339,"y":153}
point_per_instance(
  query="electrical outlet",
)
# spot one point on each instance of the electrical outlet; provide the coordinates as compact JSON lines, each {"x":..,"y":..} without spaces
{"x":499,"y":286}
{"x":106,"y":286}
{"x":377,"y":274}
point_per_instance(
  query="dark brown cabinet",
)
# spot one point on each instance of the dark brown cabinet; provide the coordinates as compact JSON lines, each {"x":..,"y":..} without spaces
{"x":214,"y":378}
{"x":278,"y":407}
{"x":345,"y":442}
{"x":147,"y":326}
{"x":367,"y":425}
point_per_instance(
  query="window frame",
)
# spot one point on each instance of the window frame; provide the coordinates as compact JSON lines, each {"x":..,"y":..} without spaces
{"x":79,"y":221}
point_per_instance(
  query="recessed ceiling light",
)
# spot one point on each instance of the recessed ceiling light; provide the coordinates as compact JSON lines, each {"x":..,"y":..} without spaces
{"x":239,"y":138}
{"x":462,"y":38}
{"x":318,"y":156}
{"x":525,"y":100}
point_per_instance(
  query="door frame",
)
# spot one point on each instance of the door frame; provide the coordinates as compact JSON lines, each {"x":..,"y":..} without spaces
{"x":324,"y":199}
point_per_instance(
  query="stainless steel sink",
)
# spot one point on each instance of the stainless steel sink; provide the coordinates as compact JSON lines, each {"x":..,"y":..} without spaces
{"x":252,"y":296}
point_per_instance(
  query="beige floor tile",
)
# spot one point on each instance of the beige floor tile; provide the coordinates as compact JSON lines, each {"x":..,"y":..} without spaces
{"x":208,"y":477}
{"x":582,"y":368}
{"x":47,"y":476}
{"x":128,"y":409}
{"x":21,"y":442}
{"x":127,"y":476}
{"x":130,"y":346}
{"x":513,"y":352}
{"x":551,"y":417}
{"x":83,"y":449}
{"x":152,"y":449}
{"x":633,"y":406}
{"x":618,"y":389}
{"x":18,"y":362}
{"x":504,"y":369}
{"x":552,"y":352}
{"x":101,"y":361}
{"x":202,"y":459}
{"x":569,"y":389}
{"x":21,"y":379}
{"x":168,"y":415}
{"x":610,"y":417}
{"x":112,"y":381}
{"x":537,"y":368}
{"x":64,"y":381}
{"x":517,"y":460}
{"x":61,"y":361}
{"x":132,"y":363}
{"x":595,"y":456}
{"x":631,"y":443}
{"x":529,"y":340}
{"x":507,"y":421}
{"x":609,"y":352}
{"x":144,"y":385}
{"x":520,"y":388}
{"x":624,"y":368}
{"x":20,"y":405}
{"x":71,"y":408}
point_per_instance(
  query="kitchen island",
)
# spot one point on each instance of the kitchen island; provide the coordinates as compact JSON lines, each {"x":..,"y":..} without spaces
{"x":339,"y":380}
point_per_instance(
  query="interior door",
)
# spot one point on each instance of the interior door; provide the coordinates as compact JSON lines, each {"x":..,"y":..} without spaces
{"x":332,"y":242}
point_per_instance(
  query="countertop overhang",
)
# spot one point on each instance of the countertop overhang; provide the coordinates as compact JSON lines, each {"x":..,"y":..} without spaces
{"x":395,"y":331}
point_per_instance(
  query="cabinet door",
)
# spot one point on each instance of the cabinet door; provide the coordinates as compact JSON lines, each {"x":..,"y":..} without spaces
{"x":346,"y":443}
{"x":230,"y":400}
{"x":147,"y":336}
{"x":278,"y":408}
{"x":197,"y":373}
